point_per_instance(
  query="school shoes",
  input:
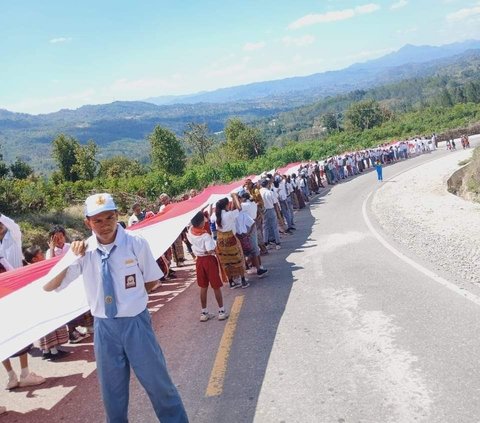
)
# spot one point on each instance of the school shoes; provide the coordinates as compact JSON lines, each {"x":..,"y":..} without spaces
{"x":12,"y":382}
{"x":59,"y":355}
{"x":222,"y":315}
{"x":31,"y":379}
{"x":205,"y":316}
{"x":261,"y":272}
{"x":76,"y":337}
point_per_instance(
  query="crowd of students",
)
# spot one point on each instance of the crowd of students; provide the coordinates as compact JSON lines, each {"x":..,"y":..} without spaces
{"x":227,"y":239}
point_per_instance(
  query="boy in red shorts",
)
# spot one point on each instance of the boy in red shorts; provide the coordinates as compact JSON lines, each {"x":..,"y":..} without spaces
{"x":207,"y":266}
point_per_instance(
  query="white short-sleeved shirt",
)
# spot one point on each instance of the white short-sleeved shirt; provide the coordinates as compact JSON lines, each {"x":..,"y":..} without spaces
{"x":201,"y":243}
{"x":131,"y":265}
{"x":11,"y":245}
{"x":267,"y":197}
{"x":132,"y":220}
{"x":228,"y":221}
{"x":282,"y":191}
{"x":244,"y":222}
{"x":251,"y":208}
{"x":58,"y":251}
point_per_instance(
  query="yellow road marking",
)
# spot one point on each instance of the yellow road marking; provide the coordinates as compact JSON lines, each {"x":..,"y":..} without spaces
{"x":219,"y":370}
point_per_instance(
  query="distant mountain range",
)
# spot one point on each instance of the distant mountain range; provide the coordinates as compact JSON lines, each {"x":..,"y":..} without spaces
{"x":121,"y":127}
{"x":385,"y":69}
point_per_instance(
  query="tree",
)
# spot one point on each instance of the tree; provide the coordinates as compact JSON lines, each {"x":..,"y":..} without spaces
{"x":119,"y":167}
{"x":243,"y":142}
{"x":196,"y":136}
{"x":331,"y":122}
{"x":166,"y":152}
{"x":86,"y":165}
{"x":3,"y":167}
{"x":366,"y":114}
{"x":444,"y":98}
{"x":64,"y":151}
{"x":20,"y":169}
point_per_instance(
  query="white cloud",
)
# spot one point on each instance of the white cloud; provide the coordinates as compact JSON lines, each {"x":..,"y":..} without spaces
{"x":463,"y":14}
{"x":336,"y":15}
{"x":254,"y":46}
{"x":60,"y":40}
{"x":298,"y":41}
{"x":399,"y":4}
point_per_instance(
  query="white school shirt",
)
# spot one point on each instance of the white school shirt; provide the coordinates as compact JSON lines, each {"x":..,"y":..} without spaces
{"x":244,"y":222}
{"x":58,"y":251}
{"x":11,"y":245}
{"x":282,"y":191}
{"x":132,"y":220}
{"x":131,"y":264}
{"x":201,"y":243}
{"x":275,"y":195}
{"x":228,"y":221}
{"x":289,"y":188}
{"x":251,"y":208}
{"x":268,"y":198}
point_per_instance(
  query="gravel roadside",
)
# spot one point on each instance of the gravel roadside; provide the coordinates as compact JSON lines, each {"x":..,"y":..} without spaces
{"x":418,"y":212}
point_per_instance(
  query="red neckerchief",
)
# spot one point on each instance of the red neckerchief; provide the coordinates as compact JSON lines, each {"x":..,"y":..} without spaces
{"x":198,"y":231}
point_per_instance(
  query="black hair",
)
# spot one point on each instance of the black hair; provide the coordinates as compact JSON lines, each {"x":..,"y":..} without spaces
{"x":245,"y":195}
{"x":57,"y":229}
{"x":198,"y":220}
{"x":219,"y":207}
{"x":31,"y":252}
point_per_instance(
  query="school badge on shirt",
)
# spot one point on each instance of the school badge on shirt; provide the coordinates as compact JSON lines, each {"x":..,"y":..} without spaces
{"x":130,"y":281}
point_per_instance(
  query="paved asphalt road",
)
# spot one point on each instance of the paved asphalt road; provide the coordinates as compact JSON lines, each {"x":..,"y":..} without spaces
{"x":341,"y":330}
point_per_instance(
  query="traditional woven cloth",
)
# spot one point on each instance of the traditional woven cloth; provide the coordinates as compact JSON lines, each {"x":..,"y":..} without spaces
{"x":230,"y":254}
{"x":57,"y":337}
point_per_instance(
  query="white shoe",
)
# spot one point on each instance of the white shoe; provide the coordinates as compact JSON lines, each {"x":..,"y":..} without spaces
{"x":205,"y":317}
{"x":12,"y":382}
{"x":222,"y":315}
{"x":31,"y":379}
{"x":3,"y":409}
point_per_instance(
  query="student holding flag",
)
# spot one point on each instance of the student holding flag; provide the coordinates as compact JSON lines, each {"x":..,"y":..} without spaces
{"x":117,"y":269}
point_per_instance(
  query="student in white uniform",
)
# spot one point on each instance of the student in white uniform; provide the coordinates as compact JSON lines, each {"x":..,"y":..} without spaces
{"x":117,"y":268}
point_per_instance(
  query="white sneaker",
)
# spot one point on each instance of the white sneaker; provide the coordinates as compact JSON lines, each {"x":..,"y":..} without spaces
{"x":3,"y":409}
{"x":12,"y":382}
{"x":31,"y":379}
{"x":222,"y":315}
{"x":204,"y":317}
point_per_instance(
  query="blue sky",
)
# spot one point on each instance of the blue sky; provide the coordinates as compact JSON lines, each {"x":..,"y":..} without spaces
{"x":62,"y":54}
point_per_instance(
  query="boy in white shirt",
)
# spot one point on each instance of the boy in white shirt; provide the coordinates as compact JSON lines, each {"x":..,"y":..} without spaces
{"x":118,"y":268}
{"x":207,"y":266}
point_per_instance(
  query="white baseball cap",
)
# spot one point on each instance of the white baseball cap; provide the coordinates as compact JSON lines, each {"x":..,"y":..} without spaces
{"x":98,"y":203}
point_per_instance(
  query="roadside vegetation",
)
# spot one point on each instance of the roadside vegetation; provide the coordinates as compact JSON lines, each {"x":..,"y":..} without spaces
{"x":37,"y":201}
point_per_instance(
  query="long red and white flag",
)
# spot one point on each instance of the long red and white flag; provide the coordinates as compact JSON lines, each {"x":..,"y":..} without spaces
{"x":27,"y":312}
